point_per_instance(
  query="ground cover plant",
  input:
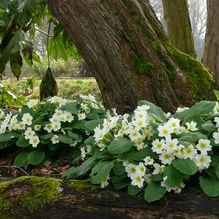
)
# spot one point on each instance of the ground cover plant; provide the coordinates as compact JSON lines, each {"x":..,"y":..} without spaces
{"x":147,"y":151}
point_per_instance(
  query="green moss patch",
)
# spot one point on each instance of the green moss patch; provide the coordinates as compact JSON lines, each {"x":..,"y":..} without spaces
{"x":200,"y":78}
{"x":81,"y":185}
{"x":28,"y":192}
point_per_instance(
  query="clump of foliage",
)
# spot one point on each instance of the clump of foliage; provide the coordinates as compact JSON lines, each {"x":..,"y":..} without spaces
{"x":147,"y":151}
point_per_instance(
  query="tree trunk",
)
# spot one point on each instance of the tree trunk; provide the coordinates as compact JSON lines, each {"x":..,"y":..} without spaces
{"x":211,"y":51}
{"x":176,"y":15}
{"x":81,"y":200}
{"x":124,"y":43}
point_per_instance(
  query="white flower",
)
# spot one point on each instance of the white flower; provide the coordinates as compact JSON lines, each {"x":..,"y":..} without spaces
{"x":216,"y":108}
{"x":166,"y":158}
{"x":27,"y":119}
{"x":139,"y":144}
{"x":55,"y":139}
{"x":140,"y":168}
{"x":83,"y":153}
{"x":20,"y":126}
{"x":134,"y":134}
{"x":171,"y":145}
{"x":158,"y":146}
{"x":29,"y":133}
{"x":203,"y":146}
{"x":55,"y":119}
{"x":158,"y":169}
{"x":139,"y":123}
{"x":181,"y":109}
{"x":164,"y":131}
{"x":137,"y":181}
{"x":216,"y":119}
{"x":189,"y":152}
{"x":202,"y":161}
{"x":148,"y":161}
{"x":191,"y":126}
{"x":32,"y":103}
{"x":67,"y":117}
{"x":37,"y":127}
{"x":174,"y":124}
{"x":105,"y":183}
{"x":56,"y":126}
{"x":81,"y":116}
{"x":34,"y":141}
{"x":48,"y":128}
{"x":147,"y":177}
{"x":216,"y":137}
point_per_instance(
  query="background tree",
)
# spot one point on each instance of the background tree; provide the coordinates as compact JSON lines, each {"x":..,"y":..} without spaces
{"x":198,"y":17}
{"x":176,"y":14}
{"x":133,"y":59}
{"x":211,"y":56}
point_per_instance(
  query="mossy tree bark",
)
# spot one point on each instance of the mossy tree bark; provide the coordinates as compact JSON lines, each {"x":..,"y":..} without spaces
{"x":33,"y":197}
{"x":176,"y":15}
{"x":124,"y":43}
{"x":211,"y":51}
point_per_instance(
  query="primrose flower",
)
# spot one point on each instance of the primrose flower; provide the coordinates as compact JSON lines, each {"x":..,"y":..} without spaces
{"x":105,"y":183}
{"x":166,"y":158}
{"x":203,"y":146}
{"x":34,"y":141}
{"x":158,"y":146}
{"x":137,"y":181}
{"x":164,"y":131}
{"x":191,"y":126}
{"x":29,"y":133}
{"x":202,"y":161}
{"x":171,"y":145}
{"x":48,"y":127}
{"x":67,"y":117}
{"x":148,"y":161}
{"x":189,"y":152}
{"x":158,"y":169}
{"x":55,"y":139}
{"x":37,"y":127}
{"x":174,"y":124}
{"x":27,"y":119}
{"x":32,"y":103}
{"x":135,"y":134}
{"x":81,"y":116}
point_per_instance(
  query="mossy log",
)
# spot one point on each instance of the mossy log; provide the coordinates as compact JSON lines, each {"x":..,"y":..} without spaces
{"x":79,"y":199}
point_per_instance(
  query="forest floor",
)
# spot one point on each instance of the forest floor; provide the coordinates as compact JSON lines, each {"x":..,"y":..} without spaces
{"x":47,"y":169}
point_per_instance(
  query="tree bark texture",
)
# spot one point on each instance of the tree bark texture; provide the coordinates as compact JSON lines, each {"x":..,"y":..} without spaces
{"x":176,"y":15}
{"x":108,"y":204}
{"x":133,"y":60}
{"x":211,"y":50}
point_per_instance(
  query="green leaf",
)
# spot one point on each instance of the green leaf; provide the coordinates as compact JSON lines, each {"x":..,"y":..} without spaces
{"x":192,"y":137}
{"x":22,"y":142}
{"x":208,"y":126}
{"x":155,"y":110}
{"x":71,"y":107}
{"x":120,"y":182}
{"x":79,"y":125}
{"x":133,"y":190}
{"x":21,"y":159}
{"x":7,"y":136}
{"x":121,"y":145}
{"x":154,"y":192}
{"x":71,"y":173}
{"x":217,"y":171}
{"x":89,"y":140}
{"x":119,"y":169}
{"x":186,"y":166}
{"x":91,"y":125}
{"x":36,"y":157}
{"x":139,"y":155}
{"x":209,"y":186}
{"x":86,"y":166}
{"x":103,"y":173}
{"x":65,"y":139}
{"x":198,"y":110}
{"x":174,"y":177}
{"x":93,"y":116}
{"x":16,"y":64}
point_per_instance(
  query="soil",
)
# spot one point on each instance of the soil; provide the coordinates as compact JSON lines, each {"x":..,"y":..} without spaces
{"x":47,"y":169}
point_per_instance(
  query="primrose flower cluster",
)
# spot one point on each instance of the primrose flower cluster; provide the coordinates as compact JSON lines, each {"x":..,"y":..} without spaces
{"x":164,"y":139}
{"x":51,"y":118}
